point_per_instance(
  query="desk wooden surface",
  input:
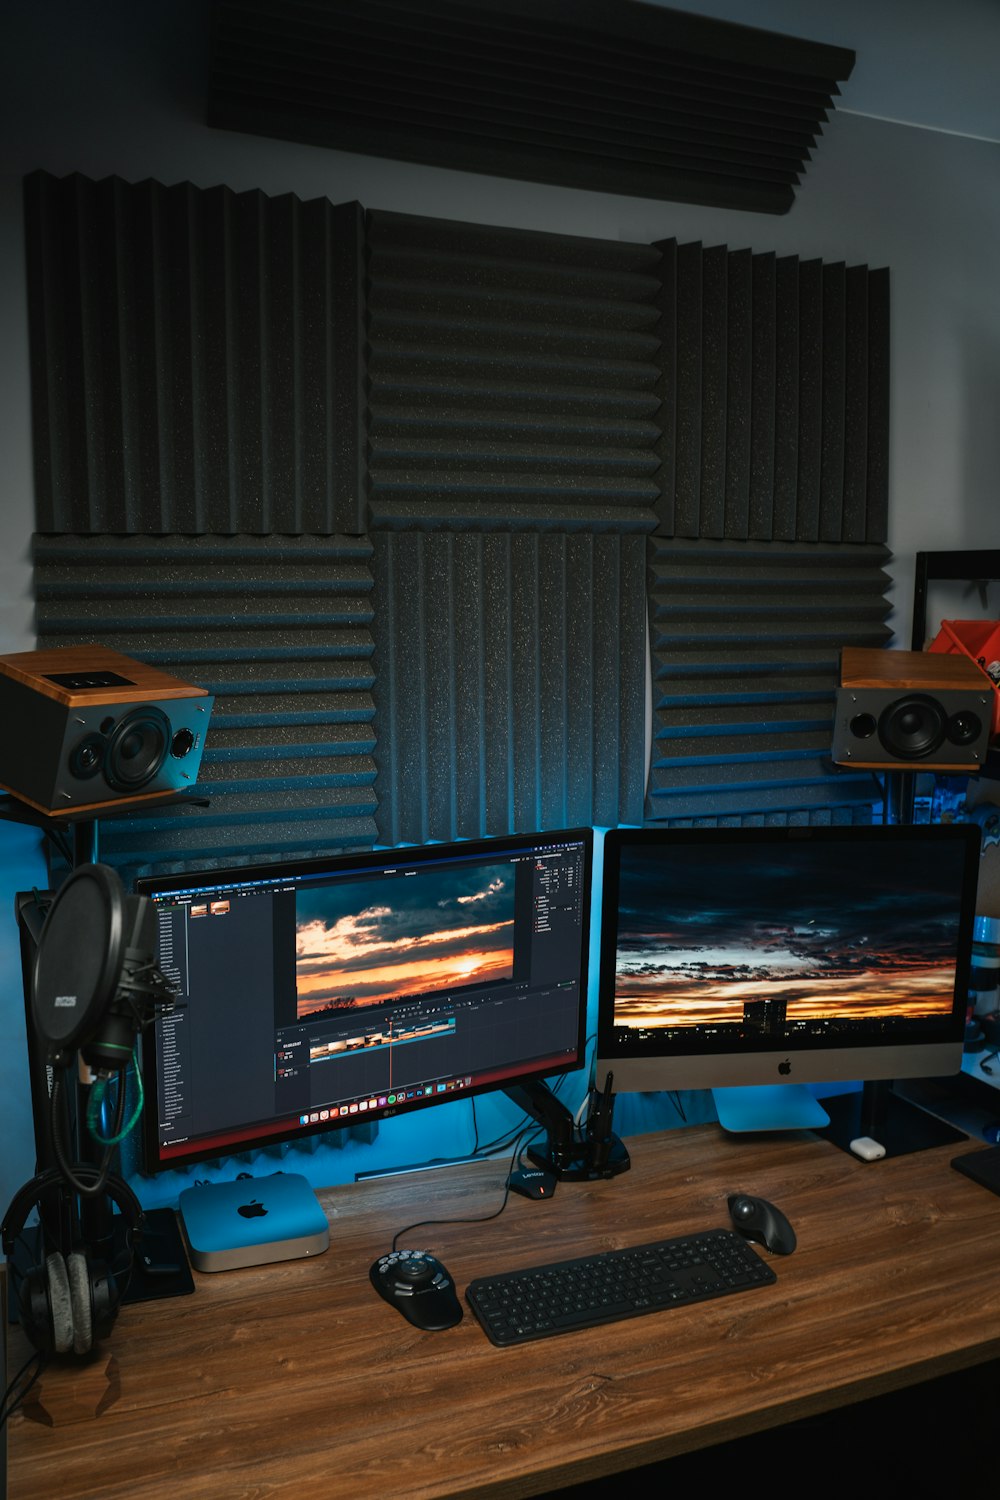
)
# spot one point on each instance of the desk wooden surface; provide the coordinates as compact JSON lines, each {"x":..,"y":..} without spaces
{"x":296,"y":1379}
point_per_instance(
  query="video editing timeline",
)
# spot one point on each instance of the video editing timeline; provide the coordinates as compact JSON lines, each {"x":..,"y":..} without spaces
{"x":314,"y":998}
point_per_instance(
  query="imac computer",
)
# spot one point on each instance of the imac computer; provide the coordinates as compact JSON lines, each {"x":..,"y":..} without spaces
{"x":319,"y":994}
{"x":750,"y":960}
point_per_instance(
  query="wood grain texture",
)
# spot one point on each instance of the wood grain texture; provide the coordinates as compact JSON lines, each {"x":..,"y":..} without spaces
{"x":297,"y":1379}
{"x":905,"y":671}
{"x":33,"y":669}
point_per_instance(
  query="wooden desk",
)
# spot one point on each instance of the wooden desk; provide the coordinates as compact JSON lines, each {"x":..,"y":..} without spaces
{"x":296,"y":1380}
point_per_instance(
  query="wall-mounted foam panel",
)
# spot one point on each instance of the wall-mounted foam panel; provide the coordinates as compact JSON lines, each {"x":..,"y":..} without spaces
{"x":501,"y":418}
{"x":746,"y":642}
{"x":512,"y":377}
{"x":510,"y":690}
{"x":194,"y":359}
{"x":775,"y":415}
{"x":605,"y":95}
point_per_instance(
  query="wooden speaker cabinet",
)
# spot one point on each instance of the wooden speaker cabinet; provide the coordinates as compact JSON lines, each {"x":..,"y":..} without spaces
{"x":911,"y":711}
{"x":85,"y":727}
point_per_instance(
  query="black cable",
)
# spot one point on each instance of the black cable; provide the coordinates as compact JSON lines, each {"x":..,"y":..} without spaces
{"x":675,"y":1099}
{"x":504,"y":1139}
{"x":86,"y":1190}
{"x":479,"y":1218}
{"x":475,"y":1127}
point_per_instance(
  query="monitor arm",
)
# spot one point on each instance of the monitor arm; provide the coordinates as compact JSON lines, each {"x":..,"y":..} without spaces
{"x":570,"y":1154}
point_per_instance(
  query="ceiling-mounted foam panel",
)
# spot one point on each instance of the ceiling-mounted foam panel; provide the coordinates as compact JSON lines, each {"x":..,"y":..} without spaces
{"x":607,"y":95}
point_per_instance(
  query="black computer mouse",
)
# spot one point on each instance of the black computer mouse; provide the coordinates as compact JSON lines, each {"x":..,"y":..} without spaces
{"x":756,"y":1219}
{"x":419,"y":1287}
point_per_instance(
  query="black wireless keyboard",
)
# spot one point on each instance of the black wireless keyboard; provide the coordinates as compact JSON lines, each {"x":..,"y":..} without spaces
{"x":595,"y":1289}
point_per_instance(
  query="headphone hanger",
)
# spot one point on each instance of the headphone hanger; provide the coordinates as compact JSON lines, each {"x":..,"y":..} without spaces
{"x":94,"y":985}
{"x":68,"y":1298}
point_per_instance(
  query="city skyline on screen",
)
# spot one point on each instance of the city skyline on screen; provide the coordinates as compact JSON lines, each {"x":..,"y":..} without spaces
{"x":705,"y":935}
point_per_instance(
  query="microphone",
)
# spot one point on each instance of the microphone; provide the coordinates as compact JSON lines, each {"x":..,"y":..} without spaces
{"x":140,"y":988}
{"x":95,"y":982}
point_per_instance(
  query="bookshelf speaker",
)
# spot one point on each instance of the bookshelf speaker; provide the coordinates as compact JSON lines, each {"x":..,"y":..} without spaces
{"x":84,"y":727}
{"x":911,"y":710}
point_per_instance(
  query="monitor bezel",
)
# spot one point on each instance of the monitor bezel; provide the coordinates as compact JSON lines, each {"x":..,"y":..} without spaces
{"x":654,"y":1067}
{"x":343,"y":864}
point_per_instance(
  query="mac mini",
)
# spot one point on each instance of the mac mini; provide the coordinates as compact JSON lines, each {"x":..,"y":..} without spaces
{"x":252,"y":1221}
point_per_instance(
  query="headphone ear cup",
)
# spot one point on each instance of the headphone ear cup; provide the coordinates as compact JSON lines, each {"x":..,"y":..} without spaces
{"x":78,"y":1274}
{"x":34,"y":1309}
{"x":105,"y":1299}
{"x":60,"y":1304}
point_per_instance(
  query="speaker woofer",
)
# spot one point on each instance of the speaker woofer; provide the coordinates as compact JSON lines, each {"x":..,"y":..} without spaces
{"x":912,"y":727}
{"x":137,"y":748}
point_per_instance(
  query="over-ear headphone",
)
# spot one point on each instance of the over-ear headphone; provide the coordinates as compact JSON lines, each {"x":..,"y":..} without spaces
{"x":68,"y":1302}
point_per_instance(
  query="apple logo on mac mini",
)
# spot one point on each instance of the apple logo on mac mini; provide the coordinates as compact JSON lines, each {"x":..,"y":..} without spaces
{"x":251,"y":1221}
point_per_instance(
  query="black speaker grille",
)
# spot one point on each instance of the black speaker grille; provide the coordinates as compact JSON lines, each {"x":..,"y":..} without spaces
{"x":912,"y":727}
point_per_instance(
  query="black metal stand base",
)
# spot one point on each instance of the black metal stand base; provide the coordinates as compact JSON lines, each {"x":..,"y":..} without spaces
{"x":582,"y":1165}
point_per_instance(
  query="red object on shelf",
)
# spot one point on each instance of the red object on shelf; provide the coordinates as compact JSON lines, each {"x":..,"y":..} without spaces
{"x":980,"y":641}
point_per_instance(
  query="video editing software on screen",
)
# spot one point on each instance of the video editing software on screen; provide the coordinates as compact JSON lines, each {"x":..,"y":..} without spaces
{"x":322,"y":996}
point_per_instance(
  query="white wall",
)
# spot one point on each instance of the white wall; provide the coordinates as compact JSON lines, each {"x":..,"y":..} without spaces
{"x":115,"y":87}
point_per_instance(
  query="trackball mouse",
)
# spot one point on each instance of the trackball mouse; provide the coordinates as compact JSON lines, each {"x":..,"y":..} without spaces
{"x":756,"y":1219}
{"x":419,"y":1287}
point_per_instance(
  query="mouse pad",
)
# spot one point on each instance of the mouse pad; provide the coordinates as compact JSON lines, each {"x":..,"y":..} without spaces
{"x":982,"y":1166}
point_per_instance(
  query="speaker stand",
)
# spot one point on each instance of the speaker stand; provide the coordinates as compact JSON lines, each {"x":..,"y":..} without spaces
{"x":900,"y":796}
{"x":76,"y":835}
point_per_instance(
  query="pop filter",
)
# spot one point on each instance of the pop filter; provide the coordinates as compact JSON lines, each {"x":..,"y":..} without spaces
{"x":79,"y":960}
{"x":95,"y":981}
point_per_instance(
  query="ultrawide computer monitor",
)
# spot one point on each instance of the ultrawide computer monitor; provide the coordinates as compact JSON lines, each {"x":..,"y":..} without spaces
{"x":330,"y":992}
{"x":779,"y":956}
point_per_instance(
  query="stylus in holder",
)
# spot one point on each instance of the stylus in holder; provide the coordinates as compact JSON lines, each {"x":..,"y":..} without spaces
{"x":600,"y":1136}
{"x":569,"y":1154}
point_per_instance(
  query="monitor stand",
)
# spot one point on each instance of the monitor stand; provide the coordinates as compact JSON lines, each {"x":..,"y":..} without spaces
{"x":775,"y":1106}
{"x":896,"y":1123}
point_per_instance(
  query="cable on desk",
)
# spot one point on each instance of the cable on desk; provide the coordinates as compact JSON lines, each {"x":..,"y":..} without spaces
{"x":479,"y":1218}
